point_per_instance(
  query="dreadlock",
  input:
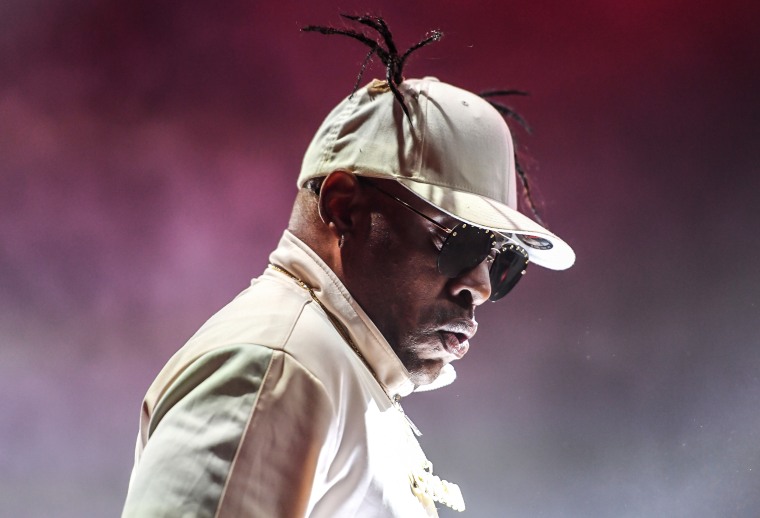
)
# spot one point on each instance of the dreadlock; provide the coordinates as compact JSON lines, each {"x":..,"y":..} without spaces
{"x":394,"y":63}
{"x":509,"y":112}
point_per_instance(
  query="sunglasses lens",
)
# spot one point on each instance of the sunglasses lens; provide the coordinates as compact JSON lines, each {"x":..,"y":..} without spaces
{"x":464,"y":249}
{"x":468,"y":246}
{"x":507,"y":270}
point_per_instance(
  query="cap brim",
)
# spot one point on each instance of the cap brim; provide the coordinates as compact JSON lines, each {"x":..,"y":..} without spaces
{"x":484,"y":212}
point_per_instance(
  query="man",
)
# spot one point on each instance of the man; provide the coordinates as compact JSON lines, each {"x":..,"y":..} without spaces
{"x":286,"y":402}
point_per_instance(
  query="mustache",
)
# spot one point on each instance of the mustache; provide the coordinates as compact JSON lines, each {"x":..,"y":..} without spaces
{"x":467,"y":327}
{"x":454,"y":320}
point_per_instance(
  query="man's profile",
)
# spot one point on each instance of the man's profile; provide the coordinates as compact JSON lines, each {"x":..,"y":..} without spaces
{"x":287,"y":401}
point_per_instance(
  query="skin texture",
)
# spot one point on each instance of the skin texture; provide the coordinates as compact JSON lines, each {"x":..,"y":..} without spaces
{"x":388,"y":262}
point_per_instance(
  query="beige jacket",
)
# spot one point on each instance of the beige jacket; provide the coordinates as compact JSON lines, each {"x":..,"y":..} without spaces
{"x":268,"y":412}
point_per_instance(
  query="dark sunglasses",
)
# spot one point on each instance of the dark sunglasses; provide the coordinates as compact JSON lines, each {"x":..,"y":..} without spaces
{"x":466,"y":246}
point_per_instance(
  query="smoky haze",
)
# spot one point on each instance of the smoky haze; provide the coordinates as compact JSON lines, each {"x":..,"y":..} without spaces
{"x":148,"y":157}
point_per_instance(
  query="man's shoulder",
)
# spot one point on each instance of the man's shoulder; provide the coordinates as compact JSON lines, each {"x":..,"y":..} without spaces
{"x":273,"y":313}
{"x":263,"y":314}
{"x":269,"y":315}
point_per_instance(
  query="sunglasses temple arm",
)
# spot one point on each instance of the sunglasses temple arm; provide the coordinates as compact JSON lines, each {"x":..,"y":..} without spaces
{"x":405,"y":204}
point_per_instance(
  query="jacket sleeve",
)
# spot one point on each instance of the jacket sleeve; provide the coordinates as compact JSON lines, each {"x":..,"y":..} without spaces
{"x":237,"y":433}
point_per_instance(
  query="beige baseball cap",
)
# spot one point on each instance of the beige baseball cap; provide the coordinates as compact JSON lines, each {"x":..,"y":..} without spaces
{"x":454,"y":151}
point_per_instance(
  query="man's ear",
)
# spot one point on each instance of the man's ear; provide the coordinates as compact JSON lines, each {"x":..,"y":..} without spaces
{"x":339,"y":202}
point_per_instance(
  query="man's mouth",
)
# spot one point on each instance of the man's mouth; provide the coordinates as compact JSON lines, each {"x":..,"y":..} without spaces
{"x":455,"y":343}
{"x":456,"y":337}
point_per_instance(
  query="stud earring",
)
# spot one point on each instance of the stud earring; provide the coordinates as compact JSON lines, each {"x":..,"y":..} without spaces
{"x":341,"y":241}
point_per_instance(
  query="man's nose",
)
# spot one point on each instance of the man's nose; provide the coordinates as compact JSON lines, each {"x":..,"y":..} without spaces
{"x":476,"y":281}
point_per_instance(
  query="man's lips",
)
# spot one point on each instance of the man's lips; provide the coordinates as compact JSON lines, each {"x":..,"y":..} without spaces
{"x":456,"y":336}
{"x":454,"y":344}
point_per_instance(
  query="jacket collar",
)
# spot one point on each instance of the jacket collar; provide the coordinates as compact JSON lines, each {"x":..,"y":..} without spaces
{"x":295,"y":256}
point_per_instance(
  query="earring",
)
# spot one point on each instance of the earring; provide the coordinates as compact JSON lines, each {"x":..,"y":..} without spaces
{"x":341,"y":241}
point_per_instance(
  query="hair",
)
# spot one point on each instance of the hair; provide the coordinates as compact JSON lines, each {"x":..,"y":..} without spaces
{"x":394,"y":67}
{"x":509,"y":113}
{"x":389,"y":55}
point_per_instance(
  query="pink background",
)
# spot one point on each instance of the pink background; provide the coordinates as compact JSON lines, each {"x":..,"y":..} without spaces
{"x":148,"y":156}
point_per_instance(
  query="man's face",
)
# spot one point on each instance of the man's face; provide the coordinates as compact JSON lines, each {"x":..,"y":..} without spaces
{"x":426,"y":317}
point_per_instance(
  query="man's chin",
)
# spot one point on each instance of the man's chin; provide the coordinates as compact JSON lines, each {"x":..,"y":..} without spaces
{"x":427,"y":372}
{"x":446,"y":376}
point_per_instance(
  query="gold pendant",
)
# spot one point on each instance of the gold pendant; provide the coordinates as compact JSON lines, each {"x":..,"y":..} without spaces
{"x":427,"y":486}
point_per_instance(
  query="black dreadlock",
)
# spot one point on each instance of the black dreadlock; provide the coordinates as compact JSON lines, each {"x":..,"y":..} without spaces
{"x":394,"y":63}
{"x":505,"y":110}
{"x":508,"y":112}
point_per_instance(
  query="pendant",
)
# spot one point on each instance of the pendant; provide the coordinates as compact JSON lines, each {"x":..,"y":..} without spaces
{"x":427,"y":486}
